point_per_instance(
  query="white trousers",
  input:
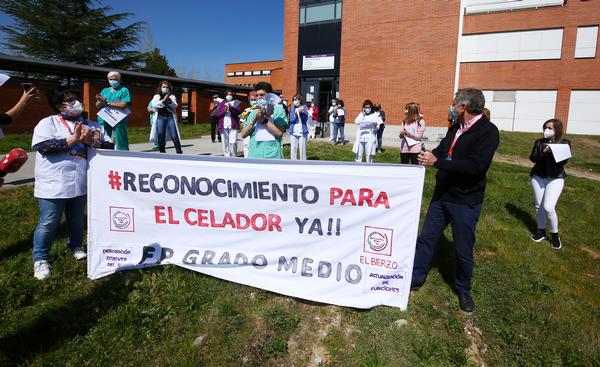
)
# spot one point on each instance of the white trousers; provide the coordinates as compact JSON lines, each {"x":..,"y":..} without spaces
{"x":297,"y":143}
{"x":364,"y":143}
{"x":229,"y":141}
{"x":331,"y":127}
{"x":312,"y":128}
{"x":246,"y":144}
{"x":546,"y":192}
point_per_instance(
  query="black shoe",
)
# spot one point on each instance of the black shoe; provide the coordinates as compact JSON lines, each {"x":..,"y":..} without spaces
{"x":416,"y":286}
{"x":556,"y":244}
{"x":466,"y":302}
{"x":539,"y":235}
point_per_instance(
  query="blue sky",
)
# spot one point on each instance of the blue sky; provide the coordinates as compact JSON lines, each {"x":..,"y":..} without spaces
{"x":200,"y":37}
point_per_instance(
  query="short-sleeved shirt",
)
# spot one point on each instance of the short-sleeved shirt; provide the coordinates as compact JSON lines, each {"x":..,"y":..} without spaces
{"x":62,"y":175}
{"x":271,"y":148}
{"x":121,"y":94}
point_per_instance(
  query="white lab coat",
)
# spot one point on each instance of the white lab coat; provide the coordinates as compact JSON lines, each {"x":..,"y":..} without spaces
{"x":61,"y":175}
{"x":366,"y":135}
{"x":156,"y":104}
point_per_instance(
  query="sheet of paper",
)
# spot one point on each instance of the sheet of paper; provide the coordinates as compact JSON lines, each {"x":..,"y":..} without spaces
{"x":3,"y":78}
{"x":411,"y":141}
{"x":112,"y":116}
{"x":262,"y":134}
{"x":560,"y":151}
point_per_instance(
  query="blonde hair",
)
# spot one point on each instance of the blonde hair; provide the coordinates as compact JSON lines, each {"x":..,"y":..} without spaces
{"x":412,"y":112}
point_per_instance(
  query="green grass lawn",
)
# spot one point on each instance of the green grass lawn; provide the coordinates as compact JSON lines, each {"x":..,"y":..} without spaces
{"x":536,"y":306}
{"x":136,"y":135}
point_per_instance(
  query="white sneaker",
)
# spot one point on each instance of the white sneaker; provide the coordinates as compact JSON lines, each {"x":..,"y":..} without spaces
{"x":79,"y":254}
{"x":41,"y":269}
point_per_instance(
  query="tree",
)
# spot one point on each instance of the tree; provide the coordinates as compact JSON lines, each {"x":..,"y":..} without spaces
{"x":72,"y":31}
{"x":156,"y":63}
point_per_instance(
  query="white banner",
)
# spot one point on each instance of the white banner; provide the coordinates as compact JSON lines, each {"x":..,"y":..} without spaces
{"x":332,"y":232}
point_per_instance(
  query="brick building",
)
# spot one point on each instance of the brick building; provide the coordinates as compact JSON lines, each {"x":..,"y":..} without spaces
{"x":249,"y":73}
{"x":534,"y":59}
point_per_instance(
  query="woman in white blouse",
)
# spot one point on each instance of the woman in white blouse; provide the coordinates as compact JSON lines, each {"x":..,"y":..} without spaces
{"x":366,"y":136}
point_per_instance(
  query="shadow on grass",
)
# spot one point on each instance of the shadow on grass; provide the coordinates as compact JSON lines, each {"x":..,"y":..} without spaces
{"x":525,"y":217}
{"x":57,"y":325}
{"x":444,"y":260}
{"x":25,"y":245}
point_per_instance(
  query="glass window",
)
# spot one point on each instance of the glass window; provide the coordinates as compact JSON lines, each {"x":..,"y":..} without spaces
{"x":247,"y":73}
{"x":266,"y":72}
{"x":338,"y":10}
{"x":585,"y":44}
{"x":256,"y":72}
{"x":302,"y":14}
{"x":230,"y":73}
{"x":320,"y":13}
{"x":238,"y":73}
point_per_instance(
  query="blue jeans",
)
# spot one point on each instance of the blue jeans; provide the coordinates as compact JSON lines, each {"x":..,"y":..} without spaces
{"x":336,"y":127}
{"x":463,"y":218}
{"x":51,"y":211}
{"x":162,"y":124}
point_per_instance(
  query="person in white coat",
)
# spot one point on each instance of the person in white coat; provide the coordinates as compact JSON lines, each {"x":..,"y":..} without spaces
{"x":298,"y":129}
{"x":165,"y":118}
{"x":366,"y":136}
{"x":62,"y":142}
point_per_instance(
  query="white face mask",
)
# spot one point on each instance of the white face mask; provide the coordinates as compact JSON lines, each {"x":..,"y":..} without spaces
{"x":548,"y":133}
{"x":229,"y":98}
{"x":164,"y":90}
{"x":74,"y":108}
{"x":296,"y":103}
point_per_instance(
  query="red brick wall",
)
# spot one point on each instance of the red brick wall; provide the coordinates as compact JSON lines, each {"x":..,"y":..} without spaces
{"x":562,"y":75}
{"x":396,"y":52}
{"x":274,"y":79}
{"x":290,"y":46}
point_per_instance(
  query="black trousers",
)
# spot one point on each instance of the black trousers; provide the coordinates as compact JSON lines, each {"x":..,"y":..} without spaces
{"x":214,"y":121}
{"x":463,"y":218}
{"x":409,"y":158}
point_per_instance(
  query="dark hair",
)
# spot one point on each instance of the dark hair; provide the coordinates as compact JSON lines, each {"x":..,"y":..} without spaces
{"x":158,"y":91}
{"x":377,"y":106}
{"x":472,"y":98}
{"x":340,"y":103}
{"x":367,"y":102}
{"x":228,"y":91}
{"x":559,"y":131}
{"x":263,"y":86}
{"x":298,"y":97}
{"x":56,"y":96}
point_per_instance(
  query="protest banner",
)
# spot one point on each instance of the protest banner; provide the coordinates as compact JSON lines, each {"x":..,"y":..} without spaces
{"x":332,"y":232}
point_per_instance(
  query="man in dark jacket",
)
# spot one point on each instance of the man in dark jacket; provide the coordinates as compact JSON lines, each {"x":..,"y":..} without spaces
{"x":214,"y":119}
{"x":462,"y":159}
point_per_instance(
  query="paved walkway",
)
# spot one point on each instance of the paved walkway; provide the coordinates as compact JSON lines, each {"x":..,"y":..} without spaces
{"x":201,"y":146}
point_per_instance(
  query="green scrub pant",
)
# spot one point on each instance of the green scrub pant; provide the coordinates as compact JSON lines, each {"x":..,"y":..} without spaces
{"x":118,"y":134}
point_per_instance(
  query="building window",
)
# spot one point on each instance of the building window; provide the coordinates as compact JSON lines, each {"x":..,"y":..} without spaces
{"x":256,"y":72}
{"x":543,"y":44}
{"x":238,"y":73}
{"x":584,"y":112}
{"x":493,"y":6}
{"x":585,"y":45}
{"x":331,"y":11}
{"x":266,"y":72}
{"x":247,"y":73}
{"x":230,"y":73}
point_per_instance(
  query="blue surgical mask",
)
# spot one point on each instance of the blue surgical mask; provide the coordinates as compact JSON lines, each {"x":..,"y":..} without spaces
{"x":453,"y":115}
{"x":253,"y":102}
{"x":113,"y":83}
{"x":296,"y":103}
{"x":164,"y":90}
{"x":261,"y":102}
{"x":229,"y":98}
{"x":367,"y":110}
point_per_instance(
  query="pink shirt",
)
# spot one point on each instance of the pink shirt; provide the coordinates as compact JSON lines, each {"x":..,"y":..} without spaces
{"x":415,"y":131}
